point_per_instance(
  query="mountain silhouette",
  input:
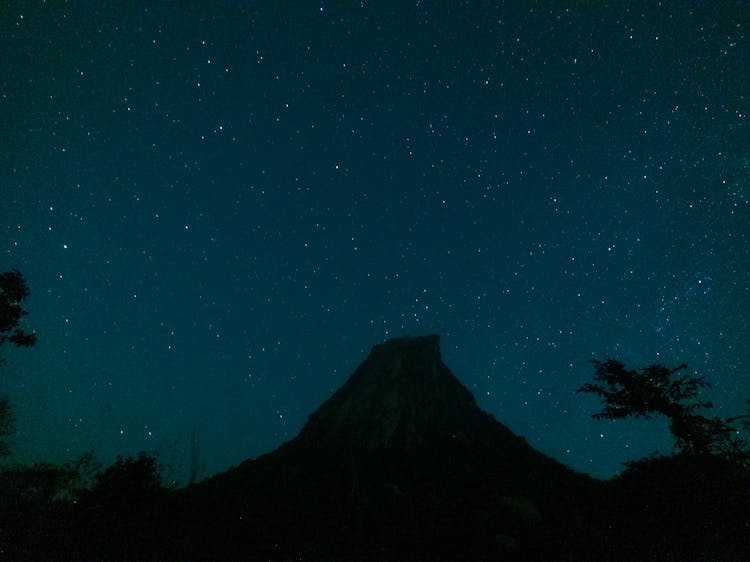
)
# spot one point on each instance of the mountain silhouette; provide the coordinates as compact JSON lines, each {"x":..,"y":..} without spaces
{"x":399,"y":459}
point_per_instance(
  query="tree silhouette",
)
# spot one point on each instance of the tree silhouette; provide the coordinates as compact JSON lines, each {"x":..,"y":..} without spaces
{"x":661,"y":390}
{"x":7,"y":426}
{"x":13,"y":290}
{"x":128,"y":482}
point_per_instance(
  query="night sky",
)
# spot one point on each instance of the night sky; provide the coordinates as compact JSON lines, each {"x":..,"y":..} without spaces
{"x":220,"y":209}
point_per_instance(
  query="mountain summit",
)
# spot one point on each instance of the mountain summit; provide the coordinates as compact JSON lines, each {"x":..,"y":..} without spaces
{"x":403,"y":407}
{"x":402,"y":396}
{"x":399,"y":460}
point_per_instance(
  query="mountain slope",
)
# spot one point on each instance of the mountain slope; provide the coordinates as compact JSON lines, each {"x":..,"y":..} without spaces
{"x":400,"y":458}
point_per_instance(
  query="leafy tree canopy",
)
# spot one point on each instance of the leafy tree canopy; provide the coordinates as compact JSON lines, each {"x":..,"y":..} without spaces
{"x":129,"y":479}
{"x":661,"y":390}
{"x":13,"y":290}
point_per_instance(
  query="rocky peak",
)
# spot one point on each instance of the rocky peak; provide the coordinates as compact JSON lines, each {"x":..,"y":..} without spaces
{"x":402,"y":396}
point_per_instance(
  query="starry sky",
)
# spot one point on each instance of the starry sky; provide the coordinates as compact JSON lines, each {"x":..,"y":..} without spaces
{"x":220,"y":207}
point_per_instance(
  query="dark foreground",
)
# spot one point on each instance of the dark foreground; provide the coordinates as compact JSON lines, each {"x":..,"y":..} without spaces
{"x":398,"y":465}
